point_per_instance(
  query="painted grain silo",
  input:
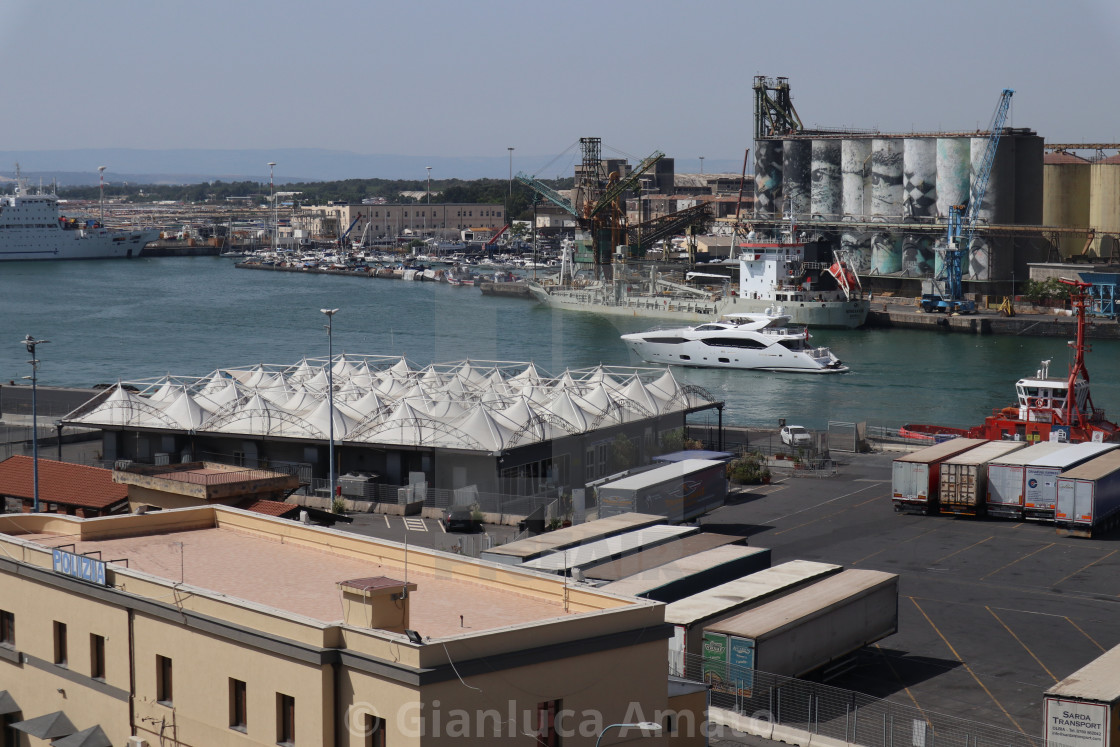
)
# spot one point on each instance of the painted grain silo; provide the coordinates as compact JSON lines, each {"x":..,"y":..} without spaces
{"x":919,"y":177}
{"x":827,"y":186}
{"x":886,"y":253}
{"x":797,"y":158}
{"x":886,"y":178}
{"x":1104,"y":204}
{"x":1066,"y":188}
{"x":768,"y":177}
{"x":855,"y":174}
{"x":856,"y":245}
{"x":953,"y":168}
{"x":988,"y":259}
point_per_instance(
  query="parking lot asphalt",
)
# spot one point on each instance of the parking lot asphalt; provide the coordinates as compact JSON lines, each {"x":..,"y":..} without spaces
{"x":991,"y":612}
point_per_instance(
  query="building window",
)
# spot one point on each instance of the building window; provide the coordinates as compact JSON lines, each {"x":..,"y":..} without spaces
{"x":163,"y":680}
{"x":285,"y":719}
{"x":547,"y":734}
{"x":375,"y":731}
{"x":237,"y":718}
{"x":7,"y":628}
{"x":60,"y":643}
{"x":97,"y":656}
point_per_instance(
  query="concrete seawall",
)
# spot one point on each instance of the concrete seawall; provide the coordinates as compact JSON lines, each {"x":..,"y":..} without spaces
{"x":1033,"y":325}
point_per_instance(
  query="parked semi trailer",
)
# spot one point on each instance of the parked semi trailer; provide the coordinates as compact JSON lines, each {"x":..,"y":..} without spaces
{"x":803,"y":631}
{"x":915,"y":477}
{"x":1083,"y":710}
{"x":1004,"y":495}
{"x":1089,"y":496}
{"x":964,"y":478}
{"x":1041,"y":477}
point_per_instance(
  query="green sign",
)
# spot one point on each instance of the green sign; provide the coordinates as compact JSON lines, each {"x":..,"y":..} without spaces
{"x":715,"y":658}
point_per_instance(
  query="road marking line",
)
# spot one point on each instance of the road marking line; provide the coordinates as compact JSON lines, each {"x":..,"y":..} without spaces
{"x":922,"y":534}
{"x":1082,"y":632}
{"x":1087,"y":566}
{"x":890,"y":665}
{"x":974,"y":544}
{"x":1012,"y":632}
{"x":1013,"y":562}
{"x":965,"y":665}
{"x":414,"y":524}
{"x":824,"y":503}
{"x":870,"y":500}
{"x":387,"y":524}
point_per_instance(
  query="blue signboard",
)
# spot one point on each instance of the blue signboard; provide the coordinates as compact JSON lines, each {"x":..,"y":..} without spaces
{"x":741,"y":658}
{"x":79,"y":566}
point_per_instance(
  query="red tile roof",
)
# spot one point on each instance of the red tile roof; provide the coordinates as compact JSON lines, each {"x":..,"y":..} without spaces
{"x":59,"y":482}
{"x":271,"y":508}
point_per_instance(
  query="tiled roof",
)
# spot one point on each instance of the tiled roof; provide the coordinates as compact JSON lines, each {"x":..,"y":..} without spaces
{"x":59,"y":482}
{"x":271,"y":508}
{"x":1061,"y":157}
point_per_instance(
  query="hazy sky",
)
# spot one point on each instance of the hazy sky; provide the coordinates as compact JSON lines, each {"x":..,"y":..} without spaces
{"x":454,"y":77}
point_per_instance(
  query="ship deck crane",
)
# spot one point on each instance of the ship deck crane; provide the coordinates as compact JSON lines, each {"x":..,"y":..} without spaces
{"x":962,"y":225}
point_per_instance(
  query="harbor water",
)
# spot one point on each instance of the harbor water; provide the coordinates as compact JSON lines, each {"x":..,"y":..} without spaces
{"x":143,"y":318}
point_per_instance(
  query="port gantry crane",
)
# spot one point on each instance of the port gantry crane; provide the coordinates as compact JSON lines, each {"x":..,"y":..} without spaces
{"x":601,"y":213}
{"x":962,"y":225}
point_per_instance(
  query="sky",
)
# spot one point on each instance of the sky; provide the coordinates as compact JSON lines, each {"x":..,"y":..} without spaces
{"x":453,"y":78}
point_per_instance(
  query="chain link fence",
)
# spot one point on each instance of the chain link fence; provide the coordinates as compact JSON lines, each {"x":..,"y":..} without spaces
{"x":799,"y":711}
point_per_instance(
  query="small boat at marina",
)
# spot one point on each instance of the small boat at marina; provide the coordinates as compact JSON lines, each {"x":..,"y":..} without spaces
{"x":751,"y":341}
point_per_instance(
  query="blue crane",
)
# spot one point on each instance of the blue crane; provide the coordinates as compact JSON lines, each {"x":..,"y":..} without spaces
{"x":962,"y":225}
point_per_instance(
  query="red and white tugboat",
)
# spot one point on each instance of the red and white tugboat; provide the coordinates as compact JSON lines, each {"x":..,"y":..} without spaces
{"x":1049,"y":404}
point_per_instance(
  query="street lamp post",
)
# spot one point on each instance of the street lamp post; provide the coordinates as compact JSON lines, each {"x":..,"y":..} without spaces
{"x":428,"y":194}
{"x":701,"y":165}
{"x":31,"y":344}
{"x":101,"y":192}
{"x":272,"y":199}
{"x":509,"y":200}
{"x":643,"y":725}
{"x":330,"y":396}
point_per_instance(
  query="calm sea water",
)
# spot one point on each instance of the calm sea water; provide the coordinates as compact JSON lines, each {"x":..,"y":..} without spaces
{"x":143,"y":318}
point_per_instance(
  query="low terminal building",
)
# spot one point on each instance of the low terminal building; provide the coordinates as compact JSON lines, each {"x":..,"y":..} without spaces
{"x":216,"y":626}
{"x":472,"y":426}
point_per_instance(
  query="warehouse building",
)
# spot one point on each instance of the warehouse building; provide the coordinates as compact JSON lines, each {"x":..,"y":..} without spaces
{"x":481,"y":427}
{"x":216,"y":626}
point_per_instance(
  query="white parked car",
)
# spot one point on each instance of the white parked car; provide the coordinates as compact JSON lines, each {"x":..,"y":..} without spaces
{"x":796,"y":435}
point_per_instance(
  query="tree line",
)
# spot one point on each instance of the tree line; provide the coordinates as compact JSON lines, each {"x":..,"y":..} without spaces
{"x":352,"y":191}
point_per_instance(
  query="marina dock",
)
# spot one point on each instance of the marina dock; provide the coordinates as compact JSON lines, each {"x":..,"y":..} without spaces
{"x":891,"y":315}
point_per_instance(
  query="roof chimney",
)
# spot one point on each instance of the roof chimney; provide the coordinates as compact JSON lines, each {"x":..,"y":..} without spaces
{"x":377,"y":602}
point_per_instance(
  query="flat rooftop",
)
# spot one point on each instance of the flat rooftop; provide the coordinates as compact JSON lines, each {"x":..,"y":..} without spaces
{"x":303,"y":581}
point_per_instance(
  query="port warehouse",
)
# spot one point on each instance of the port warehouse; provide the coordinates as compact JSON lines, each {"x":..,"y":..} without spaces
{"x":1075,"y":486}
{"x":474,"y":426}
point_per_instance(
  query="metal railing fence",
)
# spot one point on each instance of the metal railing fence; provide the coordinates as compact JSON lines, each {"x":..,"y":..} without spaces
{"x":836,"y":713}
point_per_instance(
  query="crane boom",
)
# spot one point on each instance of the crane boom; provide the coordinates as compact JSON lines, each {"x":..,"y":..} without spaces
{"x":622,"y":185}
{"x":548,"y":193}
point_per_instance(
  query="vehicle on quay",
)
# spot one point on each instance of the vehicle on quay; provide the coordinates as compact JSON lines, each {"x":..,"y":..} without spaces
{"x":764,"y":342}
{"x":32,"y":227}
{"x":795,"y":435}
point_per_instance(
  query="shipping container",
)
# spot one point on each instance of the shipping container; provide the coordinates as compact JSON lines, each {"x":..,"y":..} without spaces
{"x":804,"y":631}
{"x":691,"y":575}
{"x":689,"y":615}
{"x":1040,"y":491}
{"x":915,"y":477}
{"x":964,"y":478}
{"x":519,"y":551}
{"x":1004,"y":495}
{"x":678,"y":549}
{"x":1089,"y":496}
{"x":1083,"y":710}
{"x":679,"y":491}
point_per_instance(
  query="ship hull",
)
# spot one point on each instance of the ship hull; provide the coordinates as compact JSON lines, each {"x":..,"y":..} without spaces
{"x":822,"y":314}
{"x":57,"y":244}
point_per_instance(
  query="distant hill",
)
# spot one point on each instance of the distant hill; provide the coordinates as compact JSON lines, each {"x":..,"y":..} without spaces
{"x":189,"y":166}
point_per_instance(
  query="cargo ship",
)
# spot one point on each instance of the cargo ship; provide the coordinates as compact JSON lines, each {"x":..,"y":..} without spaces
{"x":33,"y":228}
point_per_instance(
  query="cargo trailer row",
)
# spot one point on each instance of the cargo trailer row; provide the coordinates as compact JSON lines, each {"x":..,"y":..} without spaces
{"x":1009,"y":479}
{"x":1083,"y":710}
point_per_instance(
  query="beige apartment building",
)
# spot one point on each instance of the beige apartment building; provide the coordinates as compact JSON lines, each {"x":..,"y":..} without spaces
{"x":215,"y":626}
{"x":390,"y":221}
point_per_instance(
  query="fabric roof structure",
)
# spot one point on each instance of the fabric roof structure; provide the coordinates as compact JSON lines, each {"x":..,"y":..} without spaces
{"x":7,"y":703}
{"x":480,"y":406}
{"x":50,"y":726}
{"x":94,"y":736}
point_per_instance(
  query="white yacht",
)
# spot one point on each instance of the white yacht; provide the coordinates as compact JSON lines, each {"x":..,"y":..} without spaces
{"x":31,"y":227}
{"x":764,"y":342}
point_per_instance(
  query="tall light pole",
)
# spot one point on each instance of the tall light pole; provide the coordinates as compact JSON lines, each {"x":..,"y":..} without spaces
{"x":428,"y":194}
{"x":31,"y":344}
{"x":330,"y":395}
{"x":272,"y":200}
{"x":509,"y":199}
{"x":101,"y":199}
{"x":701,"y":165}
{"x":643,"y":725}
